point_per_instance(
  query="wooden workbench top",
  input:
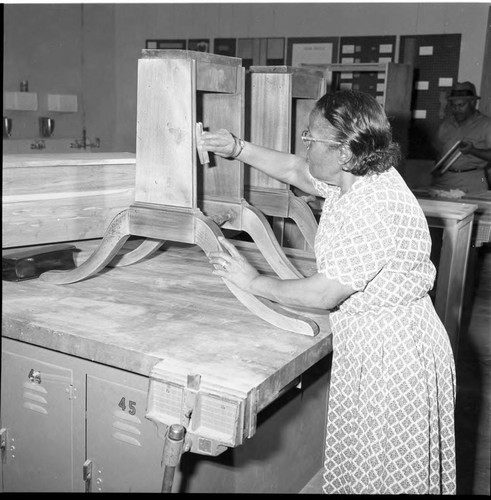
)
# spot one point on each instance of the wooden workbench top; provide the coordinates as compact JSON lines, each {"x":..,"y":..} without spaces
{"x":169,"y":306}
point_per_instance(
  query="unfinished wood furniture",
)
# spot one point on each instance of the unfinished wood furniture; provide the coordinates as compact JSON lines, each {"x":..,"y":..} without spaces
{"x":48,"y":198}
{"x":481,"y":232}
{"x":282,"y":98}
{"x":482,"y":217}
{"x":174,"y":199}
{"x":77,"y":363}
{"x":455,"y":222}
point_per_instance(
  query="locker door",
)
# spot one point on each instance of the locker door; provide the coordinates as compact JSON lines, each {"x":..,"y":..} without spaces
{"x":42,"y":412}
{"x":122,"y":444}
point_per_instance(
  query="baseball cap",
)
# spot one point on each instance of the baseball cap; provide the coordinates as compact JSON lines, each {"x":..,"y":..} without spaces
{"x":461,"y":90}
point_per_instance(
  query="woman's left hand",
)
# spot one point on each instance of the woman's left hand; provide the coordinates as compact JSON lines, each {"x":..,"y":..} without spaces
{"x":232,"y":266}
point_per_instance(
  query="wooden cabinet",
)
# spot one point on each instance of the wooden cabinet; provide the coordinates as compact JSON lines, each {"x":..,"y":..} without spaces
{"x":281,"y":100}
{"x":63,"y":103}
{"x":21,"y":101}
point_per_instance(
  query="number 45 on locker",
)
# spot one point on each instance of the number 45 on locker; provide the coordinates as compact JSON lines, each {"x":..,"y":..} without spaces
{"x":131,"y":406}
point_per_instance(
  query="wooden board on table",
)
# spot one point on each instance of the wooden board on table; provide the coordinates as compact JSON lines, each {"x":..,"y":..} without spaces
{"x":49,"y":198}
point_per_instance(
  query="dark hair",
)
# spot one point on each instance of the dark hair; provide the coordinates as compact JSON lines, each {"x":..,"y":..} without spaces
{"x":360,"y":123}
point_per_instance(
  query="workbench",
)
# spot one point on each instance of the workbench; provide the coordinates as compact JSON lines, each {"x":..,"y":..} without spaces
{"x":76,"y":362}
{"x":481,"y":233}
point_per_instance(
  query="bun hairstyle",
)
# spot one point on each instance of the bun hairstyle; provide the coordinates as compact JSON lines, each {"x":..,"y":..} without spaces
{"x":359,"y":123}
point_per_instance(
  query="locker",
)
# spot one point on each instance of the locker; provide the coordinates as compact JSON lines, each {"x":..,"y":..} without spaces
{"x":122,"y":445}
{"x":42,"y":417}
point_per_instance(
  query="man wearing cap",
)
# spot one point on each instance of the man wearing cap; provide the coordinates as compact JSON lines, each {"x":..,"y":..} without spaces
{"x":473,"y":129}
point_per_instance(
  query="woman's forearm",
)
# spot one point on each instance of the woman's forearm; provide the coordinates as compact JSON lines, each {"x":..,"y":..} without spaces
{"x":285,"y":167}
{"x":314,"y":292}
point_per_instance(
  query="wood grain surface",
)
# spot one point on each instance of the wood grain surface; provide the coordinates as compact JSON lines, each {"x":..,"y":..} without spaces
{"x":49,"y":198}
{"x":169,"y":306}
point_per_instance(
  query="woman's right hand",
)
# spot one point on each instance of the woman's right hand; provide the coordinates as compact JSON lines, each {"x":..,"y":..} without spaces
{"x":221,"y":142}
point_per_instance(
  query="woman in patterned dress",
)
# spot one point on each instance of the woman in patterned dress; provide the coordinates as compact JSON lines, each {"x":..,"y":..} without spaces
{"x":390,"y":418}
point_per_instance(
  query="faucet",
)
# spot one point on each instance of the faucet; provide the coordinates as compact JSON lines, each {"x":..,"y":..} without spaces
{"x":38,"y":145}
{"x":79,"y":144}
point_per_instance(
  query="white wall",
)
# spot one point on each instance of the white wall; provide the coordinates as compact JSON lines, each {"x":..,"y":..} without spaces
{"x":42,"y":43}
{"x":135,"y":23}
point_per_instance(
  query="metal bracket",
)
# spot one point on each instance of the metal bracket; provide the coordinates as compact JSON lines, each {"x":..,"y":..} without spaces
{"x":3,"y":444}
{"x":191,"y":391}
{"x":87,"y":474}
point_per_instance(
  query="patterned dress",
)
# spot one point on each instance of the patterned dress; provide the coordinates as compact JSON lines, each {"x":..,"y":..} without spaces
{"x":390,"y":420}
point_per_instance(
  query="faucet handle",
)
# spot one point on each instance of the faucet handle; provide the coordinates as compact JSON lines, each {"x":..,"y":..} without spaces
{"x":38,"y":145}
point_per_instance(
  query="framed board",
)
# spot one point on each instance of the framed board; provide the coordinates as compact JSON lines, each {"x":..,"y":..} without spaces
{"x":308,"y":52}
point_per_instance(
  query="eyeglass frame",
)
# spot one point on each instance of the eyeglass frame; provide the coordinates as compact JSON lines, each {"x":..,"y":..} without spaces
{"x":308,"y":139}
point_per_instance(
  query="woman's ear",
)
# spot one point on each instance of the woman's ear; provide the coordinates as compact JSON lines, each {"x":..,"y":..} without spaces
{"x":344,"y":155}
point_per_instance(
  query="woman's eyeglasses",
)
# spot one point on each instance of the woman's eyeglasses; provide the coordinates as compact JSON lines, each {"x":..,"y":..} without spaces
{"x":308,"y":139}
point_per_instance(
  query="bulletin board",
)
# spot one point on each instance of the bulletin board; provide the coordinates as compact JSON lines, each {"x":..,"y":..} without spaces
{"x":435,"y":59}
{"x":365,"y":49}
{"x":199,"y":44}
{"x":196,"y":44}
{"x":306,"y":52}
{"x":261,"y":51}
{"x":165,"y":44}
{"x":225,"y":46}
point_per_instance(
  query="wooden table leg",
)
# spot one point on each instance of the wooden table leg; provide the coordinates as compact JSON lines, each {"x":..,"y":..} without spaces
{"x":145,"y":249}
{"x":115,"y":237}
{"x":256,"y":225}
{"x":207,"y":233}
{"x":303,"y":216}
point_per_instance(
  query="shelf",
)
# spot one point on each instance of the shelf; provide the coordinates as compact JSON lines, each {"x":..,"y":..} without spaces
{"x":63,"y":103}
{"x":21,"y":101}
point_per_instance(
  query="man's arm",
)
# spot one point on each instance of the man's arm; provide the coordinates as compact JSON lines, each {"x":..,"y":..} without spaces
{"x":467,"y":148}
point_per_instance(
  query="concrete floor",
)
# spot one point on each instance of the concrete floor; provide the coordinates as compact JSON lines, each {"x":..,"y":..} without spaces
{"x":472,"y":415}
